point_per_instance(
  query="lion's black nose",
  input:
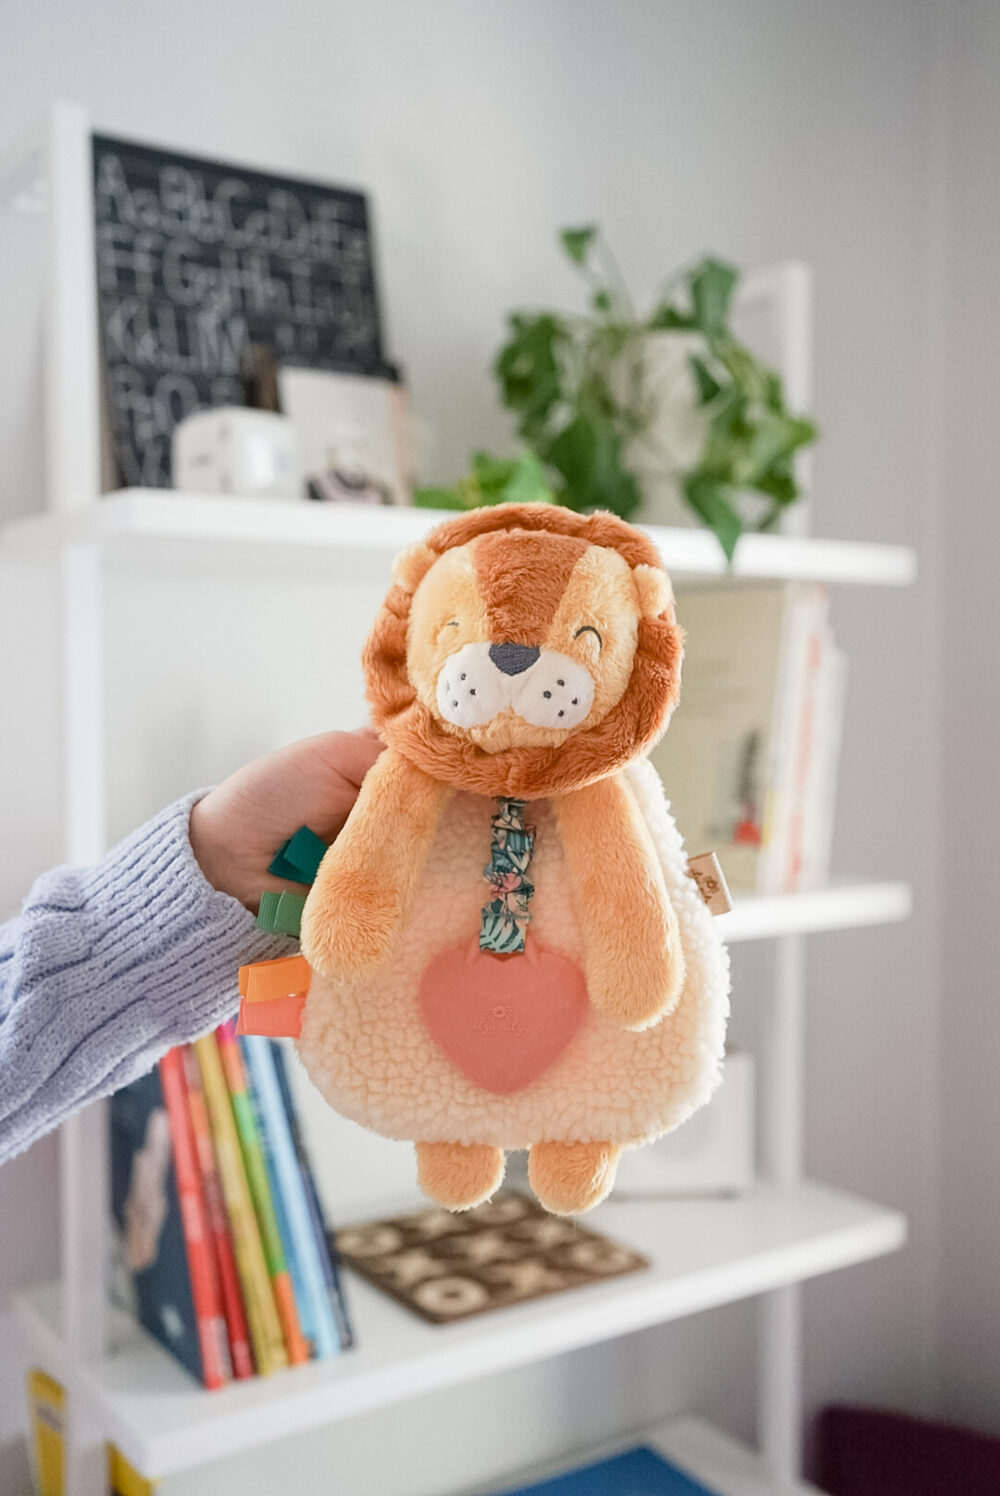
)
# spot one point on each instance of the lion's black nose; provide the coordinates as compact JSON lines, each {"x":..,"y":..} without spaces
{"x":513,"y":658}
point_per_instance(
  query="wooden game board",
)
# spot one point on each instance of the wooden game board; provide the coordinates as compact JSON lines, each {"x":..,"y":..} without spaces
{"x":447,"y":1267}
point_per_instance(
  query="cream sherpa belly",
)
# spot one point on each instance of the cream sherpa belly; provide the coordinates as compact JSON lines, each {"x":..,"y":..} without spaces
{"x":368,"y":1052}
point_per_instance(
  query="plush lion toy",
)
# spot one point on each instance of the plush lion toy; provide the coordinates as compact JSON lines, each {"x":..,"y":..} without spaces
{"x":523,"y":663}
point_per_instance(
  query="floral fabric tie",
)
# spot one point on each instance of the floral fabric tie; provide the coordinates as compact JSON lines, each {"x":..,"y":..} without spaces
{"x":505,"y":918}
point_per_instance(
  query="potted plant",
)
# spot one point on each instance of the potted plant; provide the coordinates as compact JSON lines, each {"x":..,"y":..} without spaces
{"x":631,"y":412}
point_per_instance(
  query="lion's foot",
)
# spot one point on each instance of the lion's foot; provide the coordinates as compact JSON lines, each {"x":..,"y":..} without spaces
{"x":570,"y":1177}
{"x":459,"y":1175}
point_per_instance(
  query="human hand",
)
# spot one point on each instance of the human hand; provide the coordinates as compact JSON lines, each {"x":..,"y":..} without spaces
{"x":237,"y":828}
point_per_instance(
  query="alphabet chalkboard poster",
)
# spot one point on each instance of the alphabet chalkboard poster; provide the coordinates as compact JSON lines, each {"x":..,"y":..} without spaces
{"x":198,"y":258}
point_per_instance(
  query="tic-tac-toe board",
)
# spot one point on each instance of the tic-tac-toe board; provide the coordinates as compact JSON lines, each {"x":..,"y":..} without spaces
{"x":447,"y":1267}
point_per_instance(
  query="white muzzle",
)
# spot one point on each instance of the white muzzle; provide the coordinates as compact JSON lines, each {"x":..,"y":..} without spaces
{"x":543,"y":687}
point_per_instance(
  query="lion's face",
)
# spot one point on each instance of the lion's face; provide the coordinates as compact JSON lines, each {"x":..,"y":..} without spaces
{"x":499,"y":651}
{"x":523,"y":671}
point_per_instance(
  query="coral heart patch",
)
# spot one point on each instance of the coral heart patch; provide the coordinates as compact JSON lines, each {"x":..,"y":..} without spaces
{"x":502,"y":1020}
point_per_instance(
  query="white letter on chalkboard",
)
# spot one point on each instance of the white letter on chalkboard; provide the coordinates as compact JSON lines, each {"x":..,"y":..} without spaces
{"x":183,"y":277}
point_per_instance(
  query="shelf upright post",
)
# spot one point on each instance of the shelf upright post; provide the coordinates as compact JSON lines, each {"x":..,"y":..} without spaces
{"x":780,"y":1358}
{"x":83,"y":1140}
{"x":72,"y":383}
{"x":73,"y":482}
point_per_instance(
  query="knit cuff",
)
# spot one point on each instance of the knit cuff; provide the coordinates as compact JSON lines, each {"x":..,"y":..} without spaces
{"x":155,"y":916}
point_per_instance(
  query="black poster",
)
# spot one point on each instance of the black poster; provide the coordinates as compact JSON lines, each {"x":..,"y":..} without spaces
{"x":196,"y":259}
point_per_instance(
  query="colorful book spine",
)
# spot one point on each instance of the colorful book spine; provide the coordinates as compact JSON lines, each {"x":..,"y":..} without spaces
{"x":314,"y":1303}
{"x":216,"y":1368}
{"x":265,"y":1327}
{"x":327,"y":1254}
{"x":218,"y":1222}
{"x":260,"y":1192}
{"x":300,"y":1292}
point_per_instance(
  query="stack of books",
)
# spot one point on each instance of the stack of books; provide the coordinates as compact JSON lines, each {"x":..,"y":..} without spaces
{"x":227,"y":1258}
{"x":750,"y":759}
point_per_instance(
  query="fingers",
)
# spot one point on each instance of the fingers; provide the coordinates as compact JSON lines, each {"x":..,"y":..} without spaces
{"x":345,"y":756}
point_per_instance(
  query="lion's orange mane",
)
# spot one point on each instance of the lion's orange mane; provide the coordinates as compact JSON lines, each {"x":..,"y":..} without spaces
{"x":630,"y":728}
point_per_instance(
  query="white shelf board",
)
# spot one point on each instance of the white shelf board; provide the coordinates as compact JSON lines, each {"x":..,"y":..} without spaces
{"x":703,"y":1253}
{"x":290,"y":530}
{"x":842,"y":905}
{"x":721,"y":1463}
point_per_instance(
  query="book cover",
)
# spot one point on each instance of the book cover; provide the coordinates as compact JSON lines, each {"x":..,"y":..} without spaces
{"x":300,"y":1295}
{"x":260,"y":1193}
{"x":147,"y":1210}
{"x":218,"y":1222}
{"x":47,"y":1407}
{"x":637,"y":1472}
{"x":201,"y":1259}
{"x":262,"y":1314}
{"x":805,"y":620}
{"x":303,"y":1250}
{"x":804,"y":759}
{"x":729,"y":746}
{"x":821,"y":794}
{"x":47,"y":1402}
{"x":320,"y":1227}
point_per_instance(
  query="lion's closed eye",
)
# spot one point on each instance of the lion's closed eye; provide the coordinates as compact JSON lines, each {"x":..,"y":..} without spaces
{"x":588,"y":628}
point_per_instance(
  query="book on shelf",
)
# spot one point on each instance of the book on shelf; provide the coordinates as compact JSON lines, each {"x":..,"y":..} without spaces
{"x":262,"y":1312}
{"x":324,"y":1237}
{"x":304,"y":1248}
{"x":146,"y":1201}
{"x":751,"y":758}
{"x":225,"y":1250}
{"x":47,"y":1405}
{"x":237,"y":1329}
{"x":202,"y":1260}
{"x":260,"y":1193}
{"x":635,"y":1472}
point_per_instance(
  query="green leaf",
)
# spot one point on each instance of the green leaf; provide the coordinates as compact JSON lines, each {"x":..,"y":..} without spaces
{"x":710,"y":501}
{"x":707,"y":384}
{"x":527,"y":483}
{"x":577,"y":242}
{"x":492,"y":473}
{"x":601,"y":301}
{"x":588,"y":454}
{"x":779,"y":484}
{"x":438,"y":498}
{"x":668,"y":318}
{"x":528,"y":369}
{"x":712,"y":284}
{"x":773,"y":437}
{"x":725,"y":439}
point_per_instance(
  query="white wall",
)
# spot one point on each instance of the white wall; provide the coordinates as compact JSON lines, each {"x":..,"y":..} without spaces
{"x":969,"y":1288}
{"x":759,"y":129}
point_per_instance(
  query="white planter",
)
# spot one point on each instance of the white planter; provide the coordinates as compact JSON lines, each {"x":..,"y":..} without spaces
{"x":675,"y":439}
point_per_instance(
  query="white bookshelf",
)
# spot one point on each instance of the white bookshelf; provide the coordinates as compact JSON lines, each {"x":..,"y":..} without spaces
{"x":122,"y":1386}
{"x":703,"y":1252}
{"x":149,"y":525}
{"x":844,"y":905}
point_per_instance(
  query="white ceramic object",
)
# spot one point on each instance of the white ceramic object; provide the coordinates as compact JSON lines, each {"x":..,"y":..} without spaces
{"x":231,"y":449}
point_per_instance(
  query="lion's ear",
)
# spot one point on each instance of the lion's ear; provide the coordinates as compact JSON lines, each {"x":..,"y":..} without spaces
{"x":656,"y":596}
{"x":412,"y":565}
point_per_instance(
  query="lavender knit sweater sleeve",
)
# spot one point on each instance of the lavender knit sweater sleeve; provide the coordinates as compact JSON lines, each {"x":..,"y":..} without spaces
{"x":107,"y":967}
